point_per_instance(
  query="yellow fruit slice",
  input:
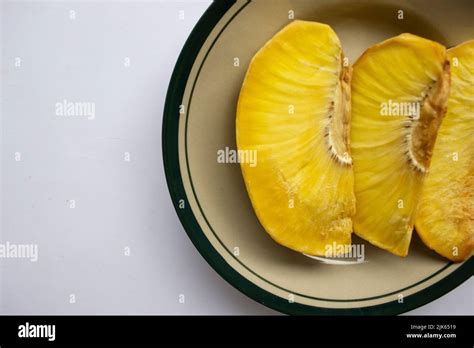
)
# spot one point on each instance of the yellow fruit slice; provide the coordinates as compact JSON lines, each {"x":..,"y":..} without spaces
{"x":399,"y":94}
{"x":445,"y":220}
{"x":294,"y":111}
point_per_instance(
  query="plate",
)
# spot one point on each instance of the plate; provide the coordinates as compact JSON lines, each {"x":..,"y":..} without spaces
{"x":210,"y":197}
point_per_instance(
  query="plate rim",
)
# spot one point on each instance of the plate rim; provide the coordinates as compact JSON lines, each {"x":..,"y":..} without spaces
{"x":170,"y":148}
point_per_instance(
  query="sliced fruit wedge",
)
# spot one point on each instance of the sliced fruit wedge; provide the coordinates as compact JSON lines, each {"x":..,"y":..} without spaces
{"x":445,"y":220}
{"x":399,"y":94}
{"x":294,"y":112}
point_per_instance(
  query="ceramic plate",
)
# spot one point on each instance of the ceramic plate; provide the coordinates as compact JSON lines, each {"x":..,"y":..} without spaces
{"x":210,"y":197}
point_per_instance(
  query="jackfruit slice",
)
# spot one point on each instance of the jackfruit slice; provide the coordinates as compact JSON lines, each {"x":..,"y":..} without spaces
{"x":445,"y":220}
{"x":399,"y":93}
{"x":294,"y":111}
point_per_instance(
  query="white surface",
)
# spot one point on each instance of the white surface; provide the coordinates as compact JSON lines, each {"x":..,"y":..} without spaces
{"x":119,"y":204}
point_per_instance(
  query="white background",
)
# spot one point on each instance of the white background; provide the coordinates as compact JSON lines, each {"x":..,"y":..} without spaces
{"x":119,"y":204}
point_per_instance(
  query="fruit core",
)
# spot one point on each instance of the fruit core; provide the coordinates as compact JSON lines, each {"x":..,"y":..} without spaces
{"x":422,"y":130}
{"x":337,"y":131}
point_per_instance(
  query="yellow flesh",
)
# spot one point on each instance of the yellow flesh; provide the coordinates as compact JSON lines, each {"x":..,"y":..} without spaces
{"x":445,"y":219}
{"x":392,"y":153}
{"x":294,"y":111}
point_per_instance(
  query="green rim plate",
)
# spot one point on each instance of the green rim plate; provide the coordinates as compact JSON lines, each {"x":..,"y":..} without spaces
{"x":178,"y":194}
